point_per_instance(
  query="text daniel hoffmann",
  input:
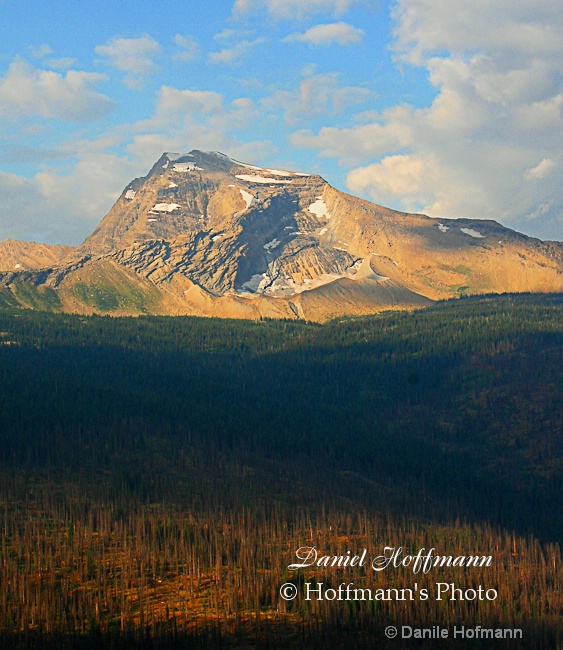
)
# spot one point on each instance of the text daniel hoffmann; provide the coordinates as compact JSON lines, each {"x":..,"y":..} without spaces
{"x":423,"y":562}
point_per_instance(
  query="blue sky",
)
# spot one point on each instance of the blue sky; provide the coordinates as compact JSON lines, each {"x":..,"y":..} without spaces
{"x":448,"y":107}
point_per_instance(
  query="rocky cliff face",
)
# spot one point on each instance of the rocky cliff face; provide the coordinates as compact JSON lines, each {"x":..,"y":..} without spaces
{"x":204,"y":234}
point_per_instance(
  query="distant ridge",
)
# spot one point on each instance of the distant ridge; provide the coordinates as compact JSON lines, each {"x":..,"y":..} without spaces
{"x":21,"y":255}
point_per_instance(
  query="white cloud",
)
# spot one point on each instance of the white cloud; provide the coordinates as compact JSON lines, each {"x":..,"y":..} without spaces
{"x":234,"y":53}
{"x":422,"y":183}
{"x":395,"y":175}
{"x":81,"y":179}
{"x":72,"y":204}
{"x":133,"y":56}
{"x":147,"y":147}
{"x":328,"y":33}
{"x":174,"y":104}
{"x":489,"y":144}
{"x":226,"y":35}
{"x":426,"y":27}
{"x":194,"y":119}
{"x":357,"y":144}
{"x":188,"y":49}
{"x":41,"y":51}
{"x":541,"y":170}
{"x":61,"y":63}
{"x":294,"y":9}
{"x":25,"y":90}
{"x":19,"y":195}
{"x":316,"y":95}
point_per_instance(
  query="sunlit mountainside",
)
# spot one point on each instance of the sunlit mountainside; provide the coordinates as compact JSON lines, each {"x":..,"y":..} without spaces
{"x":203,"y":234}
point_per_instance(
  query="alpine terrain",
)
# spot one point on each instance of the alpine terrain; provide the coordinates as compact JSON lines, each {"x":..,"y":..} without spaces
{"x":204,"y":234}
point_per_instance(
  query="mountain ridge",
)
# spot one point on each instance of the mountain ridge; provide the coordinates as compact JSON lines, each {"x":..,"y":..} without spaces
{"x":16,"y":254}
{"x":205,"y":234}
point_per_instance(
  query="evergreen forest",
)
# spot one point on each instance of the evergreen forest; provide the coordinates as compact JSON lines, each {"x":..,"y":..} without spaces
{"x":158,"y":474}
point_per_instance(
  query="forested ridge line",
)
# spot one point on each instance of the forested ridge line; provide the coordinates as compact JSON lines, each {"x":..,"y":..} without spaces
{"x":480,"y":317}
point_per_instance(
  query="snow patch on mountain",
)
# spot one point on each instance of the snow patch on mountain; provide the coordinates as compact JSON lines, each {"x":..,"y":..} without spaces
{"x":278,"y":172}
{"x":130,"y":194}
{"x":319,"y":209}
{"x":252,"y":178}
{"x":288,"y":286}
{"x":187,"y":167}
{"x":247,"y":197}
{"x":256,"y":283}
{"x":166,"y":207}
{"x":272,"y":244}
{"x":471,"y":232}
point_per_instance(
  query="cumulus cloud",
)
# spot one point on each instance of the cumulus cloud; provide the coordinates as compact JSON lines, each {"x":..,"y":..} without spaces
{"x":40,"y":51}
{"x":294,"y":9}
{"x":328,"y":33}
{"x":72,"y":204}
{"x":234,"y":53}
{"x":359,"y":143}
{"x":316,"y":95}
{"x":61,"y":63}
{"x":19,"y":152}
{"x":489,"y":144}
{"x":542,"y":169}
{"x":194,"y":119}
{"x":173,"y":103}
{"x":25,"y":90}
{"x":188,"y":49}
{"x":226,"y":35}
{"x":18,"y":196}
{"x":426,"y":27}
{"x":421,"y":181}
{"x":81,"y":179}
{"x":133,"y":56}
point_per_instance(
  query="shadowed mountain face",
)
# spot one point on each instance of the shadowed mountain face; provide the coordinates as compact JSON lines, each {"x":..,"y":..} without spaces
{"x":207,"y":235}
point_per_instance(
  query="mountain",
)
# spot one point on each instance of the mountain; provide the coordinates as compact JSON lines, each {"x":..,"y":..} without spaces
{"x":204,"y":234}
{"x":20,"y":255}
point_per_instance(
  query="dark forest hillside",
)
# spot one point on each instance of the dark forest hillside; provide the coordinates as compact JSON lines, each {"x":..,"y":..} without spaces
{"x":157,"y":474}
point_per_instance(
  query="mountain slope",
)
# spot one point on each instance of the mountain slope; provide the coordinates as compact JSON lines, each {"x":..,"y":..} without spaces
{"x":16,"y":255}
{"x":207,"y":235}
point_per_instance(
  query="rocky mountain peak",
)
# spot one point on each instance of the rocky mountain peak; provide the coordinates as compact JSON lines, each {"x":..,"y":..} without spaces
{"x":205,"y":234}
